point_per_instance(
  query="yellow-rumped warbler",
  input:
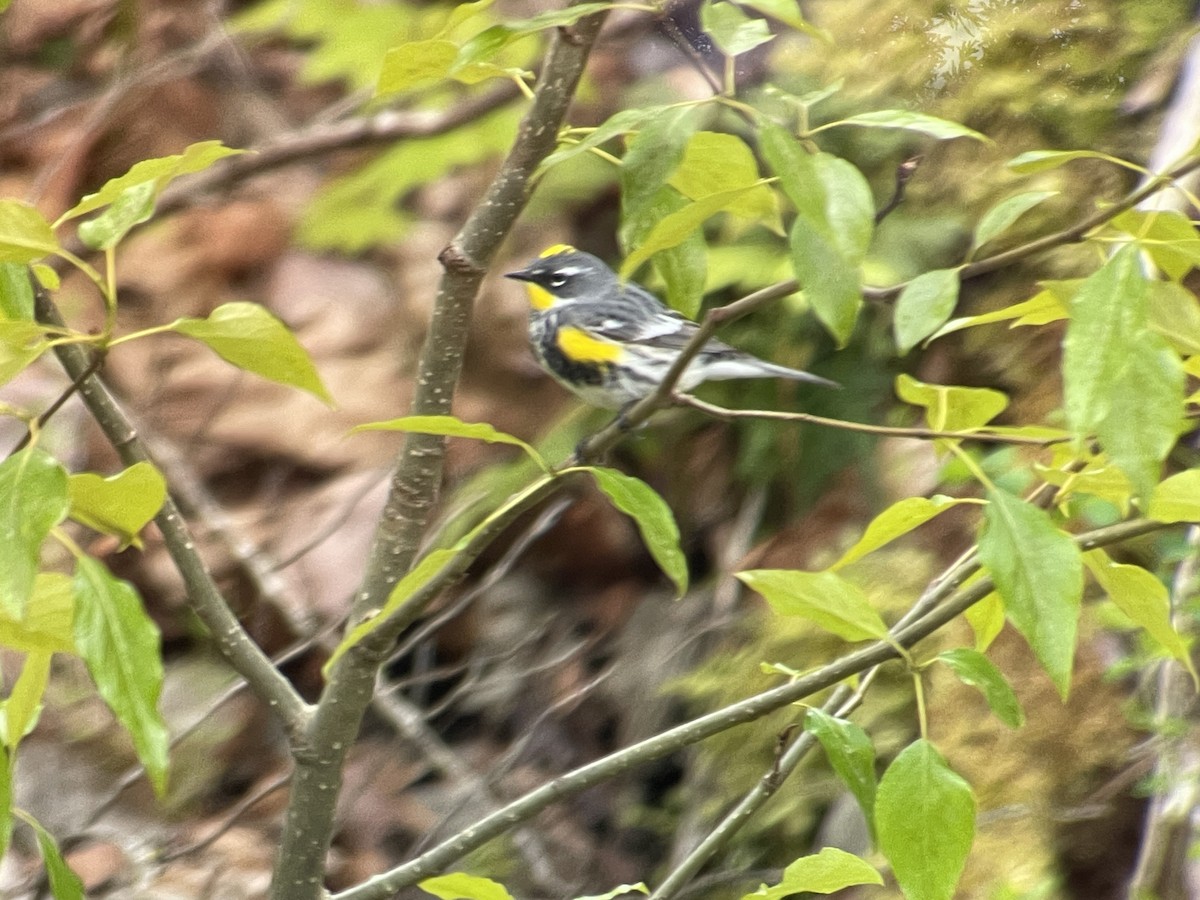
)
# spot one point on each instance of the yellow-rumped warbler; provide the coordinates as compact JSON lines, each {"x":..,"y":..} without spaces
{"x":611,"y":343}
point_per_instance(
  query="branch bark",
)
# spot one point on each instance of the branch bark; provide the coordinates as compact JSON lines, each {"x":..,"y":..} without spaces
{"x":416,"y":478}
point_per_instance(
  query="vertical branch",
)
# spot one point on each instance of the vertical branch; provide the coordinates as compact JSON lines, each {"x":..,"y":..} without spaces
{"x":416,"y":478}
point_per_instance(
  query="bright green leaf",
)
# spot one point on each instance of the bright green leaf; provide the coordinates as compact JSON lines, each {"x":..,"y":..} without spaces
{"x":951,"y":408}
{"x":1041,"y":160}
{"x":452,"y":426}
{"x":251,"y":338}
{"x":731,"y":29}
{"x":490,"y":41}
{"x":851,"y":756}
{"x":653,"y":518}
{"x":653,"y":156}
{"x":676,"y":227}
{"x":1003,"y":215}
{"x":1117,"y":374}
{"x":48,"y":623}
{"x":25,"y":235}
{"x":121,"y":647}
{"x":132,"y":206}
{"x":924,"y":306}
{"x":976,"y":670}
{"x":1143,"y":598}
{"x":824,"y":598}
{"x":64,"y":884}
{"x":24,"y":703}
{"x":1177,"y":499}
{"x":623,"y":122}
{"x":430,"y":566}
{"x":16,"y":293}
{"x":1145,"y":413}
{"x":1038,"y":573}
{"x":415,"y":64}
{"x":925,"y":816}
{"x":460,"y":886}
{"x":898,"y":519}
{"x":1175,"y":314}
{"x":942,"y":129}
{"x":822,"y":873}
{"x":834,"y":223}
{"x":1166,"y":235}
{"x":21,"y":342}
{"x":161,"y":171}
{"x":986,"y":619}
{"x":121,"y":504}
{"x":1043,"y":307}
{"x":33,"y":499}
{"x":715,"y":162}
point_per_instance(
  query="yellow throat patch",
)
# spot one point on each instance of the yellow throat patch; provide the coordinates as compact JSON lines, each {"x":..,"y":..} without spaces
{"x":539,"y":297}
{"x":580,"y":347}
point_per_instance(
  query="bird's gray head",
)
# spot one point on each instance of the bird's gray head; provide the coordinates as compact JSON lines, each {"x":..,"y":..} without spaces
{"x":562,"y":274}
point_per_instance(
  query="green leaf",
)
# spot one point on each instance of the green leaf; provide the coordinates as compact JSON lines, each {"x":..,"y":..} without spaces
{"x":120,"y":645}
{"x":1145,"y":413}
{"x":415,"y":64}
{"x":1143,"y":598}
{"x":460,"y":886}
{"x":429,"y":567}
{"x":1117,"y":374}
{"x":64,"y":884}
{"x":1043,"y":307}
{"x":942,"y":129}
{"x":451,"y":426}
{"x":822,"y":873}
{"x":851,"y":756}
{"x":925,"y":815}
{"x":652,"y":158}
{"x":824,"y":598}
{"x":924,"y":306}
{"x":834,"y":223}
{"x":676,"y":227}
{"x":24,"y":703}
{"x":986,"y":619}
{"x":683,"y":266}
{"x":25,"y":235}
{"x":1003,"y":215}
{"x":731,"y":29}
{"x":1168,"y":236}
{"x":1177,"y":499}
{"x":951,"y":408}
{"x":21,"y":342}
{"x":1042,"y":160}
{"x":120,"y":505}
{"x":161,"y":171}
{"x":33,"y":499}
{"x":251,"y":338}
{"x":48,"y":623}
{"x":713,"y":163}
{"x":898,"y":519}
{"x":16,"y":293}
{"x":623,"y":122}
{"x":1039,"y":574}
{"x":975,"y":669}
{"x":653,"y":517}
{"x":1175,"y":315}
{"x":132,"y":206}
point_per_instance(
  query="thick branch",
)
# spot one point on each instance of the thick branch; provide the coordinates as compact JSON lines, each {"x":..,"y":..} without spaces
{"x":417,"y":476}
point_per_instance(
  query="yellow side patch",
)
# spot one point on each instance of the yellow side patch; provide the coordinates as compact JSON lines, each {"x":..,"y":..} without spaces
{"x":539,"y":297}
{"x":579,"y":346}
{"x":555,"y":250}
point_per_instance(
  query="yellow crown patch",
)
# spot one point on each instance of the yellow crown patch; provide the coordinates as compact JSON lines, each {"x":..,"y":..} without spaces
{"x":555,"y":250}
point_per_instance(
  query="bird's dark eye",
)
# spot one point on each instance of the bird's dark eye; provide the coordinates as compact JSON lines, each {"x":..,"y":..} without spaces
{"x":557,"y":281}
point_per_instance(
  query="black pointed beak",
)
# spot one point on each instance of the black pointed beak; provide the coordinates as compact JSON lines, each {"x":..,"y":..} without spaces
{"x":521,"y":275}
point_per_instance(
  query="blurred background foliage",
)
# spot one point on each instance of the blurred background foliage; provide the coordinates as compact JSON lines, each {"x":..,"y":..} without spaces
{"x":559,"y":658}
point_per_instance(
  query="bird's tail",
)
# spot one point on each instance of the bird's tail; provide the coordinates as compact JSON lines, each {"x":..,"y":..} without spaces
{"x":742,"y":365}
